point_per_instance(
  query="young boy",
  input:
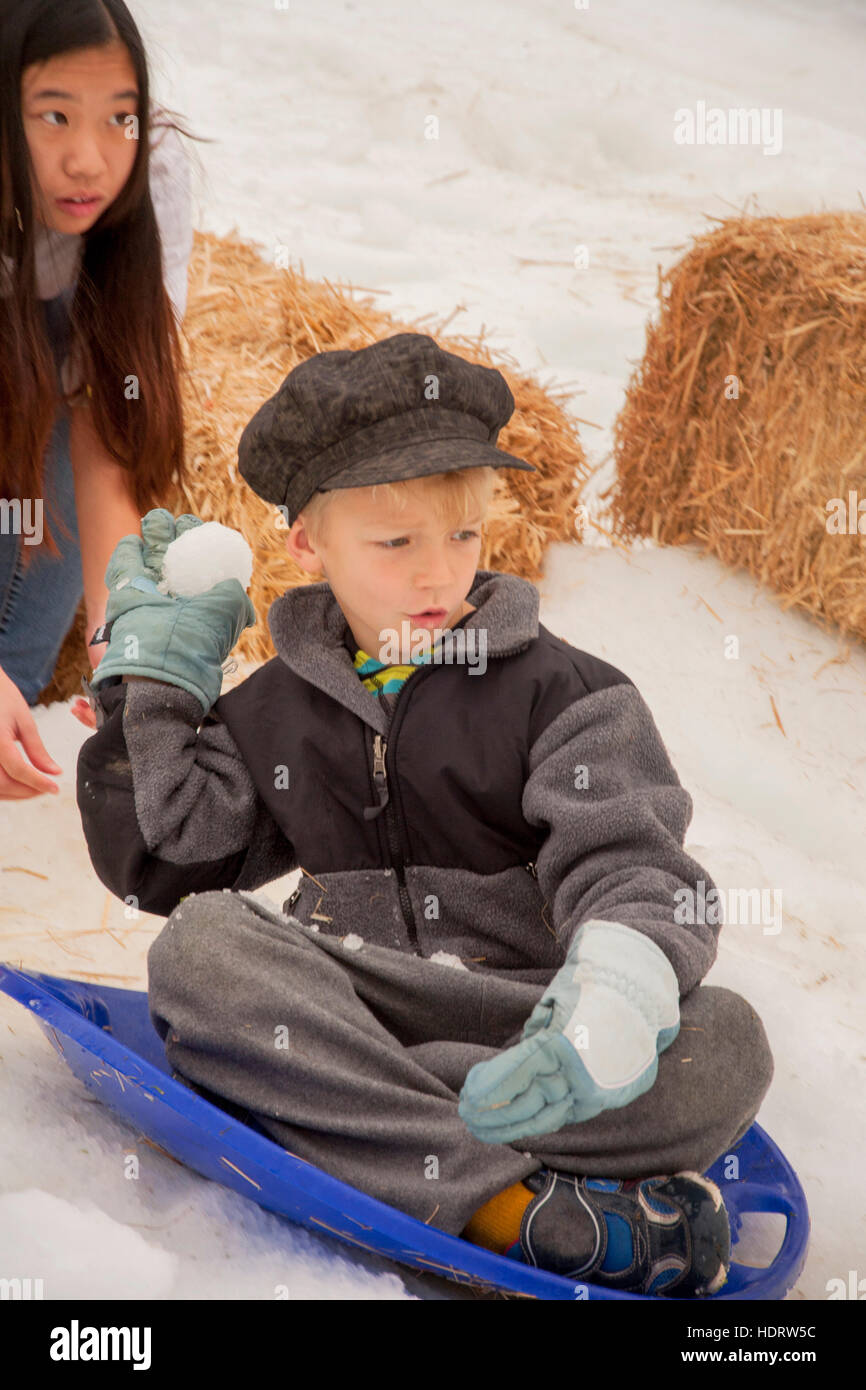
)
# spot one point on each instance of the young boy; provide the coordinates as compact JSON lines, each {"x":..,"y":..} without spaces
{"x":484,"y":1008}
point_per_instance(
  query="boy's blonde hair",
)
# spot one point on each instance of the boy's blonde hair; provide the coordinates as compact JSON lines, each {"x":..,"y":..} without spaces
{"x":451,"y":496}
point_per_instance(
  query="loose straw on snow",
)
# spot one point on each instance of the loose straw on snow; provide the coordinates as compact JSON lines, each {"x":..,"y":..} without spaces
{"x":247,"y":325}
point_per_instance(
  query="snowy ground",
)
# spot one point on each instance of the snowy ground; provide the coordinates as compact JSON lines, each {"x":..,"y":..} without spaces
{"x":555,"y":130}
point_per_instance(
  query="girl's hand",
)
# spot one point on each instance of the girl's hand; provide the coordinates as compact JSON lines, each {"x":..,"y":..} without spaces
{"x":18,"y":779}
{"x":83,"y":713}
{"x":80,"y":707}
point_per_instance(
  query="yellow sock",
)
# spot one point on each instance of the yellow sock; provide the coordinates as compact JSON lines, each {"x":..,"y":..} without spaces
{"x":496,"y":1225}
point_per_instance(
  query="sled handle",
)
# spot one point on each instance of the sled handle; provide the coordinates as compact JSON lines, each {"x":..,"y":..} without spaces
{"x":750,"y":1196}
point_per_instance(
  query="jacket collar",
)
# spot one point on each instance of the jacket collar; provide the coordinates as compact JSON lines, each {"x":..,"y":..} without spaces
{"x":310,"y":635}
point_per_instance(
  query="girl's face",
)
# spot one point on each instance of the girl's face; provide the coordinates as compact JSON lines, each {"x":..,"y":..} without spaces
{"x":73,"y":109}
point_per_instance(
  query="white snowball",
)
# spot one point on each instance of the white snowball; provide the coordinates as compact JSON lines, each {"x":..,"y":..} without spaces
{"x":204,"y":556}
{"x":352,"y":942}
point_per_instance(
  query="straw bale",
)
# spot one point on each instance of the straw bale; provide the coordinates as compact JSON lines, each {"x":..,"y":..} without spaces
{"x":247,"y":325}
{"x":749,"y":467}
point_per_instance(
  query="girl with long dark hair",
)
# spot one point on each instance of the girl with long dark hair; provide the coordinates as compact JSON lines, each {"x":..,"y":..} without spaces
{"x":95,"y":235}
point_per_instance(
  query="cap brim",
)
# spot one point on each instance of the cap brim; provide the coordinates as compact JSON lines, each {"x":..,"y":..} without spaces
{"x":410,"y":460}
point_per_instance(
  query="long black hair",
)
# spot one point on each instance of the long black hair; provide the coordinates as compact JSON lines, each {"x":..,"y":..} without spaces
{"x":122,"y":321}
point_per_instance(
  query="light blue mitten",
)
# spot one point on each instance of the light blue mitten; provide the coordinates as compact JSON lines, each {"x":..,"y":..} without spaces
{"x":590,"y":1044}
{"x":182,"y":641}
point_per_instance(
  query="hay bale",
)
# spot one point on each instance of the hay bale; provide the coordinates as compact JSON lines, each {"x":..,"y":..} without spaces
{"x":746,"y":415}
{"x":247,"y":325}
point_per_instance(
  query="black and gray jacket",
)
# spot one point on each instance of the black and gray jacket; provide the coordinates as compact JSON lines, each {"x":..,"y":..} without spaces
{"x":487,"y":815}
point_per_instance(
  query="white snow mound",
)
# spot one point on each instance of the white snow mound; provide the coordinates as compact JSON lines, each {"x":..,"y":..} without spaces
{"x":78,"y":1250}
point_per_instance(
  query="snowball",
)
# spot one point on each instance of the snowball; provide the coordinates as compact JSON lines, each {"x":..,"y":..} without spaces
{"x":445,"y":958}
{"x":203,"y":556}
{"x":353,"y":942}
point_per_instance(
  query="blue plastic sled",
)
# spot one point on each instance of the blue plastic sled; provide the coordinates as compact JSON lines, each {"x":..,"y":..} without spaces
{"x":105,"y":1035}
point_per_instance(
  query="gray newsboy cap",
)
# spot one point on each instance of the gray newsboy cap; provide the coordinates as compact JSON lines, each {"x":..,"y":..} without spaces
{"x":400,"y":408}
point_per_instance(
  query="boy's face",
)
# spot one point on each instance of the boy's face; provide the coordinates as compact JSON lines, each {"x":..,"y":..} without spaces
{"x":386,"y":567}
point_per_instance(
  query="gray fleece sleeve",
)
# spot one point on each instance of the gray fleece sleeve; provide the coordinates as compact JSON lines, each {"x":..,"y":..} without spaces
{"x":167,"y":808}
{"x":602,"y":785}
{"x":194,"y":797}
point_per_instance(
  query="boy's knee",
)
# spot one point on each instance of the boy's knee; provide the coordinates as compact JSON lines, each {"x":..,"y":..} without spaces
{"x":192,"y":940}
{"x":207,"y":937}
{"x":738,"y":1040}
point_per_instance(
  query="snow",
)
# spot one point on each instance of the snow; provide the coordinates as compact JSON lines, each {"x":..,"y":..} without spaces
{"x":203,"y":556}
{"x":555,"y":131}
{"x":446,"y":958}
{"x":48,"y":1232}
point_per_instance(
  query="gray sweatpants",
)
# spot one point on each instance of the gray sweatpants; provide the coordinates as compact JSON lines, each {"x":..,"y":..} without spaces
{"x":379,"y":1043}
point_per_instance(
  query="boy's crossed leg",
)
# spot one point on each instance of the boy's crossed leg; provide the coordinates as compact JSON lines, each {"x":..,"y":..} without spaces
{"x":379,"y":1043}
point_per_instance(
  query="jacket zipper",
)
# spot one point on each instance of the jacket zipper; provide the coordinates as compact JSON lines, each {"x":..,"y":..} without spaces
{"x":385,"y":803}
{"x":380,"y":777}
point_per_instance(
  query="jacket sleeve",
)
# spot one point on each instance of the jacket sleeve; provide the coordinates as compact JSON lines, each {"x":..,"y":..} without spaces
{"x":603,"y":788}
{"x":168,"y":809}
